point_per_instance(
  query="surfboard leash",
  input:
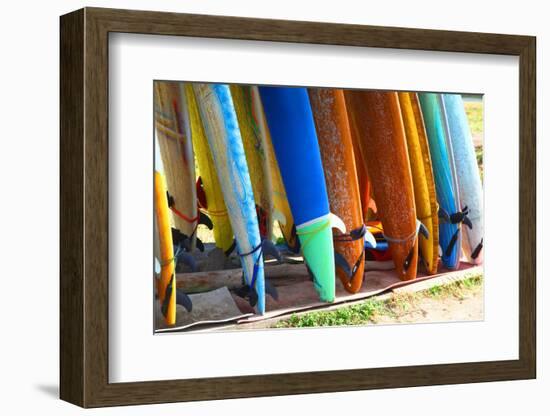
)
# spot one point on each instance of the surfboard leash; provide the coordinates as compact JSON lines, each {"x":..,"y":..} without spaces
{"x":181,"y":297}
{"x":200,"y":218}
{"x":420,"y":229}
{"x":265,"y":247}
{"x":354,"y":235}
{"x":460,"y":217}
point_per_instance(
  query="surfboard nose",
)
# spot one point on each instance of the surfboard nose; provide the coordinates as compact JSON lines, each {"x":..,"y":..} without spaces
{"x":318,"y":252}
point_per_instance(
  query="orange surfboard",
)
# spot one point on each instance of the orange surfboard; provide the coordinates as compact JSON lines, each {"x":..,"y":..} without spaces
{"x":362,"y":176}
{"x":376,"y":118}
{"x":333,"y":134}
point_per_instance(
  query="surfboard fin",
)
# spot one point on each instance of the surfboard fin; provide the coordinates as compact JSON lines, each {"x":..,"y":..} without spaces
{"x":293,"y":236}
{"x":205,"y":220}
{"x":407,"y":262}
{"x":277,"y":215}
{"x":249,"y":292}
{"x":184,"y":300}
{"x":269,"y":249}
{"x":188,"y":259}
{"x":422,"y":230}
{"x":336,"y":222}
{"x":477,"y":250}
{"x":231,"y":248}
{"x":181,"y":298}
{"x":457,"y":217}
{"x":180,"y":239}
{"x":467,"y":222}
{"x":341,"y":262}
{"x":449,"y":250}
{"x":183,"y":241}
{"x":369,"y":238}
{"x":199,"y":244}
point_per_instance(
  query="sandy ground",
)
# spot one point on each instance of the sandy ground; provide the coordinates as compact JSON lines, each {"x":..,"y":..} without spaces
{"x":440,"y":309}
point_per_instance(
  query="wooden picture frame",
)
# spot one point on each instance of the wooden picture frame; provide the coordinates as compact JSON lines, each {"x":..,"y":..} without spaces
{"x":84,"y":207}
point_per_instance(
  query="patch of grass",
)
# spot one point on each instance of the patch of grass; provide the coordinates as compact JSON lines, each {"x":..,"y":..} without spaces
{"x":479,"y":157}
{"x":457,"y":289}
{"x":350,"y":315}
{"x":372,"y":310}
{"x":474,"y":112}
{"x":435,"y":291}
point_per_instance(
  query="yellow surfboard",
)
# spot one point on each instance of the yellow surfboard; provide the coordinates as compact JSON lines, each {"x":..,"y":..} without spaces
{"x":423,"y":180}
{"x":166,"y":252}
{"x":216,"y":210}
{"x":256,"y":157}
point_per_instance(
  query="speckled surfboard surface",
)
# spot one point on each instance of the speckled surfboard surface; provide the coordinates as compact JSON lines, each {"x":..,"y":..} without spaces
{"x":334,"y":136}
{"x":222,"y":131}
{"x":376,"y":117}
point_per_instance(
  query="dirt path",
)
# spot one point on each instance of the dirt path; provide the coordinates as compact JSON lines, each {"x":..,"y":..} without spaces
{"x":468,"y":306}
{"x":459,"y":300}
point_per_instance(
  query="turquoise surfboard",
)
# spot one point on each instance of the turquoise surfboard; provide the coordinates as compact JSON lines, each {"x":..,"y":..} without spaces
{"x":445,"y":178}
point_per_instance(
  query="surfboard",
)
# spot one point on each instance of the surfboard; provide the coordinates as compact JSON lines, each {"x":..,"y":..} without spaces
{"x":362,"y":176}
{"x":176,"y":150}
{"x":224,"y":138}
{"x":376,"y":118}
{"x":333,"y":134}
{"x":254,"y":144}
{"x":215,"y":205}
{"x":163,"y":246}
{"x":469,"y":181}
{"x":281,"y":209}
{"x":445,"y":179}
{"x":167,"y":282}
{"x":292,"y":128}
{"x":423,"y":180}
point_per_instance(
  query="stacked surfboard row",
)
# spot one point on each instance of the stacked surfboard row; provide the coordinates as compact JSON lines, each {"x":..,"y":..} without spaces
{"x":347,"y":176}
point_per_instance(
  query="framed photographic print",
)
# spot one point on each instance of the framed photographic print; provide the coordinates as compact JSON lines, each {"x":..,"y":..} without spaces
{"x":255,"y":207}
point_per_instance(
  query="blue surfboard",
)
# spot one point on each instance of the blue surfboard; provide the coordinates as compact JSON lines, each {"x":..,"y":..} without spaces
{"x":291,"y":124}
{"x":445,"y":178}
{"x":469,"y":180}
